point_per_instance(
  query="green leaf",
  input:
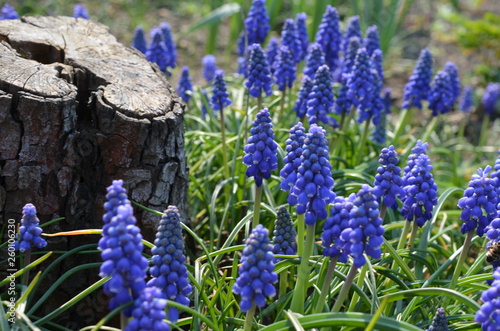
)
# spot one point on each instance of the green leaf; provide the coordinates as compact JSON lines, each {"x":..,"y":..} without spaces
{"x":214,"y":17}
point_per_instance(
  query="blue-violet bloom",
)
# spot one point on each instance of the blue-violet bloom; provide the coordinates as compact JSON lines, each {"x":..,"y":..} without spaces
{"x":284,"y":69}
{"x":291,"y":161}
{"x":79,"y":11}
{"x":290,"y":38}
{"x":285,"y":236}
{"x":419,"y":83}
{"x":488,"y":314}
{"x":320,"y":101}
{"x":259,"y":78}
{"x":220,"y":96}
{"x":467,"y":99}
{"x":490,"y":97}
{"x":300,"y":22}
{"x":139,"y":40}
{"x":329,"y":36}
{"x":209,"y":67}
{"x":148,"y":312}
{"x":185,"y":85}
{"x":388,"y":182}
{"x":439,"y":322}
{"x":30,"y":231}
{"x":372,"y":40}
{"x":315,"y":59}
{"x":332,"y":241}
{"x":441,"y":95}
{"x":8,"y":13}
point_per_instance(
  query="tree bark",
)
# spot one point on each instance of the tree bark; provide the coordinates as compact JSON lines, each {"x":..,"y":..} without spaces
{"x":78,"y":110}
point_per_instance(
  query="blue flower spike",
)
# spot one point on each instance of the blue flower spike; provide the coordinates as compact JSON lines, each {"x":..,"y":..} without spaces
{"x":258,"y":79}
{"x":157,"y":51}
{"x":185,"y":88}
{"x":488,"y":314}
{"x":8,"y":13}
{"x":256,"y":25}
{"x":329,"y":36}
{"x":335,"y":244}
{"x":455,"y":86}
{"x":439,"y":322}
{"x":372,"y":40}
{"x":490,"y":98}
{"x":166,"y":31}
{"x":353,"y":30}
{"x":220,"y":96}
{"x":148,"y":312}
{"x":467,"y":99}
{"x":361,"y":85}
{"x":300,"y":106}
{"x":419,"y":83}
{"x":285,"y":236}
{"x":284,"y":69}
{"x":320,"y":101}
{"x":315,"y":59}
{"x":139,"y":40}
{"x":209,"y":67}
{"x":294,"y":148}
{"x":290,"y":39}
{"x":30,"y":231}
{"x":272,"y":52}
{"x":388,"y":182}
{"x":79,"y":11}
{"x":441,"y":94}
{"x":301,"y":23}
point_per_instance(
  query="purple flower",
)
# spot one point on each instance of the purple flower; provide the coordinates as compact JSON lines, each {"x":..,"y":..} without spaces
{"x":320,"y":101}
{"x":149,"y":312}
{"x":419,"y":84}
{"x":256,"y":271}
{"x":365,"y":230}
{"x":8,"y":13}
{"x":313,"y":189}
{"x":377,"y":63}
{"x":79,"y":11}
{"x":350,"y":57}
{"x":329,"y":36}
{"x":361,"y":85}
{"x":290,"y":38}
{"x":488,"y":314}
{"x":284,"y":69}
{"x":479,"y":203}
{"x":388,"y":182}
{"x":139,"y":40}
{"x":419,"y":186}
{"x":372,"y":40}
{"x":170,"y":45}
{"x":291,"y":160}
{"x":209,"y":67}
{"x":169,"y":271}
{"x":452,"y":71}
{"x":185,"y":85}
{"x":353,"y":30}
{"x":260,"y":152}
{"x":379,"y":132}
{"x":284,"y":240}
{"x":332,"y":241}
{"x":30,"y":231}
{"x":259,"y":78}
{"x":439,"y":322}
{"x":495,"y":175}
{"x":157,"y":51}
{"x":441,"y":94}
{"x":376,"y":105}
{"x":466,"y":100}
{"x":300,"y":22}
{"x":490,"y":97}
{"x":257,"y":23}
{"x":300,"y":106}
{"x":272,"y":52}
{"x":220,"y":97}
{"x":121,"y":251}
{"x":315,"y":59}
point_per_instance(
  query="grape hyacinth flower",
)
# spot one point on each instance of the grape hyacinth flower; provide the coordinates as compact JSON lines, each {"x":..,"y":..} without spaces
{"x":466,"y":99}
{"x":256,"y":271}
{"x":121,"y":251}
{"x":272,"y":52}
{"x":452,"y":71}
{"x":353,"y":30}
{"x":419,"y":84}
{"x":361,"y":85}
{"x":350,"y":57}
{"x":185,"y":85}
{"x":257,"y":23}
{"x":313,"y":189}
{"x":261,"y":150}
{"x":284,"y":69}
{"x":379,"y":132}
{"x":30,"y":231}
{"x":220,"y":97}
{"x":315,"y":59}
{"x":79,"y":11}
{"x":300,"y":106}
{"x":329,"y":36}
{"x":242,"y":66}
{"x":291,"y":160}
{"x":439,"y":322}
{"x":8,"y":13}
{"x":157,"y":51}
{"x":139,"y":40}
{"x":372,"y":40}
{"x":169,"y":271}
{"x":388,"y":181}
{"x":148,"y":312}
{"x":441,"y":95}
{"x":301,"y":24}
{"x":285,"y":236}
{"x":259,"y":78}
{"x":335,"y":245}
{"x":170,"y":45}
{"x":376,"y":107}
{"x":377,"y":63}
{"x":209,"y":67}
{"x":495,"y":175}
{"x":478,"y":203}
{"x":290,"y":38}
{"x":488,"y":314}
{"x":320,"y":101}
{"x":490,"y":97}
{"x":418,"y":184}
{"x":366,"y":229}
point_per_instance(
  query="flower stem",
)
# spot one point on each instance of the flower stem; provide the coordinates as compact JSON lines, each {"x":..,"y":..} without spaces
{"x":256,"y":206}
{"x":249,"y":318}
{"x":227,"y":188}
{"x":325,"y":288}
{"x":300,"y":233}
{"x":345,"y":289}
{"x":259,"y":103}
{"x":283,"y":283}
{"x":355,"y":296}
{"x":413,"y":233}
{"x":301,"y":285}
{"x":404,"y":234}
{"x":361,"y":144}
{"x":26,"y":261}
{"x":403,"y":118}
{"x":383,"y":210}
{"x":282,"y":105}
{"x":123,"y":320}
{"x":431,"y":124}
{"x":460,"y":263}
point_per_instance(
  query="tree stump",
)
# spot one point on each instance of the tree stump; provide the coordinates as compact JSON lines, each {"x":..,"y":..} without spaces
{"x":78,"y":110}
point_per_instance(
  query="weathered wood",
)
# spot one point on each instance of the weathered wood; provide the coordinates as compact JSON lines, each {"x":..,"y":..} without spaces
{"x":77,"y":110}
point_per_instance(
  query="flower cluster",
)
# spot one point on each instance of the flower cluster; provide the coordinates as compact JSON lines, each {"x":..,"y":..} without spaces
{"x":258,"y":78}
{"x":490,"y":97}
{"x":220,"y":97}
{"x":466,"y":100}
{"x":335,"y":244}
{"x":260,"y":152}
{"x":349,"y":57}
{"x":8,"y":13}
{"x":329,"y":36}
{"x":361,"y":85}
{"x":271,"y":52}
{"x":301,"y":24}
{"x":284,"y":69}
{"x":121,"y":250}
{"x":300,"y":106}
{"x":169,"y":271}
{"x":320,"y":100}
{"x":388,"y":181}
{"x":439,"y":322}
{"x":478,"y":203}
{"x":291,"y":160}
{"x":30,"y":231}
{"x":372,"y":40}
{"x":441,"y":94}
{"x":315,"y":59}
{"x":209,"y":67}
{"x":157,"y":51}
{"x":79,"y":11}
{"x":185,"y":85}
{"x":313,"y":189}
{"x":353,"y":30}
{"x":169,"y":44}
{"x":139,"y":40}
{"x":451,"y":69}
{"x":290,"y":38}
{"x":149,"y":312}
{"x":366,"y":229}
{"x":256,"y":24}
{"x":256,"y":272}
{"x":419,"y":84}
{"x":418,"y":184}
{"x":285,"y":236}
{"x":489,"y":312}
